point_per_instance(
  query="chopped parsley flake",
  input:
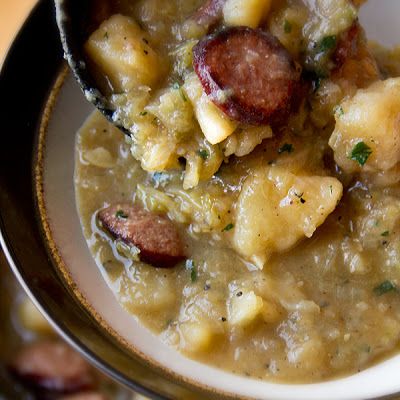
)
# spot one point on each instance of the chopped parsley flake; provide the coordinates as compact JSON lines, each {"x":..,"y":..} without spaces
{"x":287,"y":147}
{"x":327,"y":43}
{"x":143,"y":113}
{"x":360,"y":153}
{"x":287,"y":26}
{"x":203,"y":154}
{"x":386,"y":233}
{"x":106,"y":35}
{"x":190,"y":266}
{"x":228,"y":227}
{"x":338,"y":110}
{"x":121,"y":214}
{"x":385,"y":287}
{"x":177,"y":86}
{"x":193,"y":275}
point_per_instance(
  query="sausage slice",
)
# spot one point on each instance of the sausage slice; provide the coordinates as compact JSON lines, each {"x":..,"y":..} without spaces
{"x":155,"y":236}
{"x":209,"y":14}
{"x":248,"y":74}
{"x":52,"y":366}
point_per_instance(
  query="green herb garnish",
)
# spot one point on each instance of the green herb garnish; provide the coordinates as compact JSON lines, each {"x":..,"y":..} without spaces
{"x":190,"y":266}
{"x":386,"y":233}
{"x":327,"y":43}
{"x":228,"y":227}
{"x":360,"y":153}
{"x":177,"y":86}
{"x":287,"y":26}
{"x":287,"y":147}
{"x":385,"y":287}
{"x":203,"y":154}
{"x":338,"y":110}
{"x":121,"y":214}
{"x":106,"y":35}
{"x":143,"y":113}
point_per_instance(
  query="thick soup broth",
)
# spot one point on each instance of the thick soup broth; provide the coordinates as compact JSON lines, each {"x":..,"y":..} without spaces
{"x":290,"y":229}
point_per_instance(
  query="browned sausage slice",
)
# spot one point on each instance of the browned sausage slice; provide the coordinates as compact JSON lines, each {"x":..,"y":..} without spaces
{"x":155,"y":236}
{"x":85,"y":396}
{"x":209,"y":13}
{"x":248,"y":74}
{"x":52,"y":366}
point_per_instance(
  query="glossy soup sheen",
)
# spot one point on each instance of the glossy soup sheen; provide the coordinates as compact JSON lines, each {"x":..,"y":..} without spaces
{"x":297,"y":296}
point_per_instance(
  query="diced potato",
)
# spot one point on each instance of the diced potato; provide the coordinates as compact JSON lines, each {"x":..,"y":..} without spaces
{"x":215,"y":125}
{"x":244,"y":309}
{"x":121,"y":51}
{"x":99,"y":157}
{"x":197,"y":336}
{"x":32,"y":319}
{"x":372,"y":116}
{"x":245,"y":12}
{"x":174,"y":110}
{"x":133,"y":291}
{"x":276,"y":209}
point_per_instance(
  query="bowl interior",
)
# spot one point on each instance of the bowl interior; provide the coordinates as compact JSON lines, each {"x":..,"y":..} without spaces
{"x":69,"y":248}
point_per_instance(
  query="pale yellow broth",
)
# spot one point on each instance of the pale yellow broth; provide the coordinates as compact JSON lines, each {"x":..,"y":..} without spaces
{"x":327,"y":309}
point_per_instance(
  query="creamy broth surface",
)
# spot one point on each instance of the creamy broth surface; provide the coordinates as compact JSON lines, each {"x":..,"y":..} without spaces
{"x":291,"y":233}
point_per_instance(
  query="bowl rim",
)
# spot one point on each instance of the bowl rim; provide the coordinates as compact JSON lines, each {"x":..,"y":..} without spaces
{"x":9,"y":249}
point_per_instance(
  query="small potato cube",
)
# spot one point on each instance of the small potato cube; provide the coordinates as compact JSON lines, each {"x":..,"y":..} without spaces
{"x":121,"y":51}
{"x":215,"y":125}
{"x":245,"y":12}
{"x":243,"y":310}
{"x":371,"y":117}
{"x":277,"y":208}
{"x":197,"y":336}
{"x":32,"y":319}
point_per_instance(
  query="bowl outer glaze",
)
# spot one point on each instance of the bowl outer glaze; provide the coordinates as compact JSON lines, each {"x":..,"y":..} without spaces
{"x":27,"y":248}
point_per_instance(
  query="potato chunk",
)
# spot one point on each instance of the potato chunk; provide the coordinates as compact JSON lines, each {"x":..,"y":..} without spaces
{"x":245,"y":12}
{"x":215,"y":125}
{"x":371,"y":117}
{"x":197,"y":336}
{"x":276,"y":209}
{"x":121,"y":51}
{"x":244,"y":309}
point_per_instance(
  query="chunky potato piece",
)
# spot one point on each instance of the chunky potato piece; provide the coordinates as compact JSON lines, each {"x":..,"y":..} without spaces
{"x":245,"y":12}
{"x":371,"y":117}
{"x":196,"y":336}
{"x":243,"y":310}
{"x":215,"y":125}
{"x":276,"y":209}
{"x":121,"y":50}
